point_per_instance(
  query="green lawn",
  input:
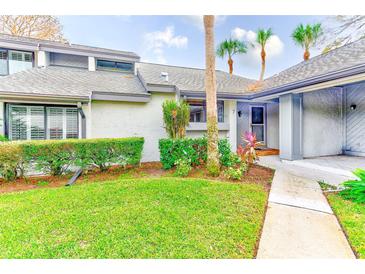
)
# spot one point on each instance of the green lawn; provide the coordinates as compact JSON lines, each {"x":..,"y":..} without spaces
{"x":140,"y":218}
{"x":352,"y":218}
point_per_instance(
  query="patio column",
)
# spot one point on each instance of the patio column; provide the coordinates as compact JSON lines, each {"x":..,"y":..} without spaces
{"x":232,"y":120}
{"x":290,"y":123}
{"x":2,"y":119}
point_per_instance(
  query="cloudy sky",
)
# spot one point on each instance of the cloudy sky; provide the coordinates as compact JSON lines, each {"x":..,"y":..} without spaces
{"x":179,"y":40}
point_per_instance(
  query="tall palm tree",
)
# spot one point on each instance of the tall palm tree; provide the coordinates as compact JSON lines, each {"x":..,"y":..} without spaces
{"x":211,"y":96}
{"x":231,"y":47}
{"x":262,"y":37}
{"x":306,"y":37}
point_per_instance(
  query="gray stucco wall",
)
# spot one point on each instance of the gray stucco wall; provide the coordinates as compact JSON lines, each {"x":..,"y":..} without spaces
{"x":322,"y":123}
{"x":272,"y":126}
{"x":272,"y":123}
{"x":355,"y":118}
{"x":126,"y":119}
{"x":69,"y":60}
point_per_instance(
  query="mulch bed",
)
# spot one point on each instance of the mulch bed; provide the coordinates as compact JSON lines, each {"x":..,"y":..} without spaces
{"x":255,"y":174}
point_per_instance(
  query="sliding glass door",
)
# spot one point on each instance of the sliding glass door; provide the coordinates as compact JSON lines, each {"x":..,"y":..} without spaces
{"x":27,"y":122}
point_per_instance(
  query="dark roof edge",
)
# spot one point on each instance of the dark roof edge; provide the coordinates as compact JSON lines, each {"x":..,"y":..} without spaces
{"x":69,"y":47}
{"x":120,"y":97}
{"x":311,"y":81}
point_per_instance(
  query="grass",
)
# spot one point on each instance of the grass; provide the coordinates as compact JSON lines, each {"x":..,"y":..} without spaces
{"x":134,"y":218}
{"x":352,"y":218}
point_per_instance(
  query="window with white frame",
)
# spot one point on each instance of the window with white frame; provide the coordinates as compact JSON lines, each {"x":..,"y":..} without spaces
{"x":19,"y":61}
{"x":198,"y":111}
{"x":26,"y":122}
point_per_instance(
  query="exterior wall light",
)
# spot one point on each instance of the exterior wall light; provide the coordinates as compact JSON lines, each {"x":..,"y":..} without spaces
{"x":353,"y":107}
{"x":239,"y":113}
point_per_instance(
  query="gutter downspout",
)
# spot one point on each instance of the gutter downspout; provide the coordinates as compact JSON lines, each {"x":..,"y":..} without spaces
{"x":83,"y":120}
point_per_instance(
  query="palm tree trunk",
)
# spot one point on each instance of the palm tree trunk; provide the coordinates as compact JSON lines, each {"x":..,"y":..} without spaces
{"x":306,"y":55}
{"x":263,"y":64}
{"x":211,"y":96}
{"x":230,"y":64}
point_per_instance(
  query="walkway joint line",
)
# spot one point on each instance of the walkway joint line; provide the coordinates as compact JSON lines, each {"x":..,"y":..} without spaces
{"x":306,"y":208}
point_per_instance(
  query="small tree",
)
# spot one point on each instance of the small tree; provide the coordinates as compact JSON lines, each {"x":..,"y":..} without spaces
{"x":306,"y":37}
{"x":176,"y":116}
{"x":35,"y":26}
{"x":230,"y":48}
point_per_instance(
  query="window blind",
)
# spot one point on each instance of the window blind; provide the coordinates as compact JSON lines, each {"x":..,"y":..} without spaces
{"x":29,"y":122}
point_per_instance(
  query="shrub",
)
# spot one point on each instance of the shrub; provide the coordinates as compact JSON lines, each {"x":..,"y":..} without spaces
{"x":194,"y":150}
{"x":236,"y":172}
{"x":248,"y":153}
{"x":11,"y":159}
{"x":176,"y":116}
{"x":355,"y":189}
{"x":183,"y":167}
{"x":102,"y":153}
{"x":56,"y":156}
{"x":3,"y":138}
{"x":233,"y":173}
{"x":50,"y":156}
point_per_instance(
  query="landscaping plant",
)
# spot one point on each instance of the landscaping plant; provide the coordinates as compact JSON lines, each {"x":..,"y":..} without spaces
{"x":248,"y":153}
{"x":3,"y":138}
{"x":193,"y":149}
{"x":183,"y":167}
{"x":55,"y":157}
{"x":236,"y":169}
{"x":50,"y":156}
{"x":11,"y":159}
{"x":355,"y":189}
{"x":176,"y":116}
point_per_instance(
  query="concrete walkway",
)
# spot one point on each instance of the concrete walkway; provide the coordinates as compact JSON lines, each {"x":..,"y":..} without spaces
{"x":299,"y":223}
{"x":333,"y":170}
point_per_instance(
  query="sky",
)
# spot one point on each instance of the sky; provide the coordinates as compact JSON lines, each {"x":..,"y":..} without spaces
{"x":179,"y":40}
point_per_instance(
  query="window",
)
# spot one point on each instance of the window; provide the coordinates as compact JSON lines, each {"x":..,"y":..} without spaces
{"x":3,"y":62}
{"x":19,"y":61}
{"x":198,"y":111}
{"x":42,"y":122}
{"x":258,"y":122}
{"x":114,"y":66}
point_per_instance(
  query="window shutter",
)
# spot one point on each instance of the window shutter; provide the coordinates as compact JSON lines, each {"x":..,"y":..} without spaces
{"x":18,"y":122}
{"x":55,"y":123}
{"x":36,"y":123}
{"x":72,"y":129}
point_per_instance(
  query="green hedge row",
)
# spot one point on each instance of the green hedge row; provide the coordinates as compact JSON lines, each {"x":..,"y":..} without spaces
{"x":194,"y":150}
{"x":56,"y":156}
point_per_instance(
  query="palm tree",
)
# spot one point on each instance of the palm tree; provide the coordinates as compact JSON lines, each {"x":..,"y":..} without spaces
{"x":231,"y":47}
{"x":211,"y":96}
{"x":262,"y":37}
{"x":306,"y":37}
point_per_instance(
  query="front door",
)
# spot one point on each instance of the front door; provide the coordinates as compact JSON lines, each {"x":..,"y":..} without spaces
{"x":257,"y":122}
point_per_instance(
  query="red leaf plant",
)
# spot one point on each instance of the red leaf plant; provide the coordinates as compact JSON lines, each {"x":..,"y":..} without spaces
{"x":248,"y":153}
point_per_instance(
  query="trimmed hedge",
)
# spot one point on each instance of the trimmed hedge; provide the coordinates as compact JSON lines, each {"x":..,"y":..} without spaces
{"x":56,"y":156}
{"x":194,"y":150}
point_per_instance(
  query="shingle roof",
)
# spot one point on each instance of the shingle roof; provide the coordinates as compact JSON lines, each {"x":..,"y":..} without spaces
{"x":191,"y":79}
{"x":338,"y":59}
{"x":35,"y":42}
{"x":65,"y":81}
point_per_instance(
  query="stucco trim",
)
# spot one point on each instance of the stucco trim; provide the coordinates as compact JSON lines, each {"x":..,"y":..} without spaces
{"x":21,"y":96}
{"x":203,"y":127}
{"x":120,"y":97}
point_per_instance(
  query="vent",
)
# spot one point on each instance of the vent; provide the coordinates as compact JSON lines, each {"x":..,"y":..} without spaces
{"x":165,"y":76}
